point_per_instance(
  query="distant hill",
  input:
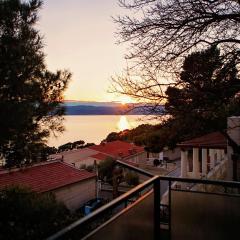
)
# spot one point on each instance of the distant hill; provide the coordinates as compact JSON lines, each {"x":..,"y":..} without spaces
{"x":92,"y":103}
{"x":101,"y":108}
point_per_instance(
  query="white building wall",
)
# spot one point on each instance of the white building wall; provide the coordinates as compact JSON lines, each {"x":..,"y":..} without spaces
{"x":172,"y":154}
{"x":139,"y":158}
{"x":75,"y":195}
{"x":233,"y":131}
{"x":88,"y":162}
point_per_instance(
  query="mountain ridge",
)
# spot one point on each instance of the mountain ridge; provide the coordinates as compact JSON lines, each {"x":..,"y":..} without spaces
{"x":102,"y":108}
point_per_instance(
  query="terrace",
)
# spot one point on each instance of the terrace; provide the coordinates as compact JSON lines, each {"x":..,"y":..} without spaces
{"x":210,"y":212}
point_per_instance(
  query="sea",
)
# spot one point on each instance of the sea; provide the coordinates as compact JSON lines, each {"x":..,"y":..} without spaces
{"x":95,"y":128}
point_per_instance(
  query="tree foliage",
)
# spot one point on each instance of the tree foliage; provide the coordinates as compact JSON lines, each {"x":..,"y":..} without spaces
{"x":206,"y":94}
{"x":207,"y":88}
{"x":30,"y":95}
{"x":142,"y":135}
{"x":28,"y":215}
{"x":106,"y":170}
{"x":162,"y":33}
{"x":134,"y":135}
{"x":109,"y":172}
{"x":74,"y":145}
{"x":131,"y":178}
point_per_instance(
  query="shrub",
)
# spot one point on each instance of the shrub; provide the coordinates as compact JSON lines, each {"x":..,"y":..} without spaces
{"x":29,"y":215}
{"x":105,"y":169}
{"x":156,"y":162}
{"x":131,"y":178}
{"x":90,"y":168}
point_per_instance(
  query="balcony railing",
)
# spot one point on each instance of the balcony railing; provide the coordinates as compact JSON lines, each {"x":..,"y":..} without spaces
{"x":208,"y":210}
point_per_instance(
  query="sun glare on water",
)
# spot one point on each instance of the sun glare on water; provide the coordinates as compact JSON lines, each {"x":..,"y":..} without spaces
{"x":123,"y":124}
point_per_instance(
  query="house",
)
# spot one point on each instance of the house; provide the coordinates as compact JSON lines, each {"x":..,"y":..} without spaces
{"x":203,"y":209}
{"x":166,"y":154}
{"x":204,"y":157}
{"x":76,"y":157}
{"x":71,"y":186}
{"x":124,"y":151}
{"x":211,"y":156}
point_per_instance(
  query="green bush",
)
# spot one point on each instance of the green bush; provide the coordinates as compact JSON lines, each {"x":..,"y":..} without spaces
{"x":131,"y":178}
{"x":90,"y":168}
{"x":105,"y":169}
{"x":29,"y":215}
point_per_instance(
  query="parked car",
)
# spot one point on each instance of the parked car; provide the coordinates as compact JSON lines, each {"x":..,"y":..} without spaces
{"x":92,"y":205}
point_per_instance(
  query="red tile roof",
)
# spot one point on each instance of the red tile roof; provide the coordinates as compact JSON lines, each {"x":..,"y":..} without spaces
{"x":44,"y":177}
{"x":211,"y":140}
{"x":118,"y":149}
{"x":100,"y":156}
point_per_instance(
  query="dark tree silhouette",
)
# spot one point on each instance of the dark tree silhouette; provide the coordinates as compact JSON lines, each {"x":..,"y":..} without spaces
{"x":109,"y":172}
{"x":206,"y":91}
{"x":33,"y":215}
{"x":162,"y":33}
{"x":30,"y":95}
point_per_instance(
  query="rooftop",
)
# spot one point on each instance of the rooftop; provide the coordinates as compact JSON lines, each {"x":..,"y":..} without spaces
{"x":211,"y":140}
{"x":75,"y":155}
{"x":118,"y":149}
{"x":44,"y":177}
{"x":100,"y":156}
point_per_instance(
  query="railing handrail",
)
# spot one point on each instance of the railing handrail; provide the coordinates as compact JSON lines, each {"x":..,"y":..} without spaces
{"x":202,"y":181}
{"x":105,"y":207}
{"x":134,"y":191}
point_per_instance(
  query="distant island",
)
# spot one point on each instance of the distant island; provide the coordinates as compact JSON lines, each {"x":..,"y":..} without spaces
{"x":103,"y":108}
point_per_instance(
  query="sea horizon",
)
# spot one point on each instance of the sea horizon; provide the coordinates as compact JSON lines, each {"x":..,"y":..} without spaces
{"x":95,"y":128}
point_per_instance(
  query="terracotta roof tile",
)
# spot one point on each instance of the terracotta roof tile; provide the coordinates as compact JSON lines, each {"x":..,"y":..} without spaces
{"x":100,"y":156}
{"x":118,"y":149}
{"x":211,"y":140}
{"x":45,"y":177}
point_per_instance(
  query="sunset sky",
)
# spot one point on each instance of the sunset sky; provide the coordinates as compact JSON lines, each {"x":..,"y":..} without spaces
{"x":79,"y":36}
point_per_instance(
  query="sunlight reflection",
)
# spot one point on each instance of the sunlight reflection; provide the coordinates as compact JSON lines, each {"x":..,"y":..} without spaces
{"x":123,"y":123}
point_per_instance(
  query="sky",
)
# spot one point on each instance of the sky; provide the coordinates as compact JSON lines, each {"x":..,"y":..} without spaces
{"x":79,"y":36}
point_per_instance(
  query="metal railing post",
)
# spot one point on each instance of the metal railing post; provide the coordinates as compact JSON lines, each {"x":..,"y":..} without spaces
{"x":156,"y":187}
{"x":169,"y":207}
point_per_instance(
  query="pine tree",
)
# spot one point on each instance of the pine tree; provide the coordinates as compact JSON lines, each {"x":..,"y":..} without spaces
{"x":30,"y":95}
{"x":207,"y":88}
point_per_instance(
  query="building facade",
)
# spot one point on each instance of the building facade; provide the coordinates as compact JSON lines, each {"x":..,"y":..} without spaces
{"x":203,"y":157}
{"x":118,"y":150}
{"x":213,"y":156}
{"x":71,"y":186}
